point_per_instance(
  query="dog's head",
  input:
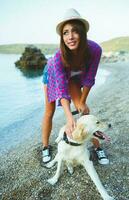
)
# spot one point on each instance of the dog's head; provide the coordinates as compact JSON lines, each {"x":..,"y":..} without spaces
{"x":86,"y":128}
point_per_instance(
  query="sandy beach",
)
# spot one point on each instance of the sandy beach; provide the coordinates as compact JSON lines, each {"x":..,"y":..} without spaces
{"x":22,"y":176}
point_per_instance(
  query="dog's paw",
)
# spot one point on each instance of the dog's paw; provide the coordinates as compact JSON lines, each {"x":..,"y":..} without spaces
{"x":52,"y":181}
{"x":49,"y":165}
{"x":70,"y":170}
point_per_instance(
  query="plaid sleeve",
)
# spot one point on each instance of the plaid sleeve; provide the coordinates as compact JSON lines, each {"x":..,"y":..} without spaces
{"x":57,"y":81}
{"x":88,"y":78}
{"x":60,"y":79}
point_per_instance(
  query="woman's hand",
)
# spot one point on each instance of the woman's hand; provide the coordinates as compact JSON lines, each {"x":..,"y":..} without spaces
{"x":83,"y":108}
{"x":70,"y":126}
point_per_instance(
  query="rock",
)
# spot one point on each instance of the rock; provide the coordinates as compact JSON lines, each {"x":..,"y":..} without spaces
{"x":32,"y":59}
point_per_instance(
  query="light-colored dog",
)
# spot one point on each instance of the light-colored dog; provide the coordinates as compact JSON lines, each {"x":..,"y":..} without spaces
{"x":73,"y":151}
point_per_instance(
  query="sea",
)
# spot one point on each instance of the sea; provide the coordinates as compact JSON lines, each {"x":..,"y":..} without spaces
{"x":22,"y":103}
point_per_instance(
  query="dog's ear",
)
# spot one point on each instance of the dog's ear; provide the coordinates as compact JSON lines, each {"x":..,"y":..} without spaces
{"x":79,"y":134}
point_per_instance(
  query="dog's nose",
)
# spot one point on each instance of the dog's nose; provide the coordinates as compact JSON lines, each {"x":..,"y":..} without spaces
{"x":109,"y":125}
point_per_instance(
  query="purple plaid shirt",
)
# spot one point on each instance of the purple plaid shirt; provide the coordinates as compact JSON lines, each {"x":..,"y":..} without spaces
{"x":57,"y":85}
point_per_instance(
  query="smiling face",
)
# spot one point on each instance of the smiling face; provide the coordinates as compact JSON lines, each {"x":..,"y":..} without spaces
{"x":71,"y":37}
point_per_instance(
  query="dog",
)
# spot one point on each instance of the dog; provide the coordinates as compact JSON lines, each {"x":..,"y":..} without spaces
{"x":74,"y":151}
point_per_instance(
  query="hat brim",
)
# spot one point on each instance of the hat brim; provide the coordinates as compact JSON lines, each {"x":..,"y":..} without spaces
{"x":59,"y":26}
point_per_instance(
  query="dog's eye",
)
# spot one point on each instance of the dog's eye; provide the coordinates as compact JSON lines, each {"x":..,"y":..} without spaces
{"x":97,"y":122}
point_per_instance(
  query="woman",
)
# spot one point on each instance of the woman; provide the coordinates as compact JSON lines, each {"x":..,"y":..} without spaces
{"x":70,"y":75}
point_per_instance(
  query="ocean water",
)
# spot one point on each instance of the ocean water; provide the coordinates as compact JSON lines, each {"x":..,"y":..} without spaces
{"x":22,"y":103}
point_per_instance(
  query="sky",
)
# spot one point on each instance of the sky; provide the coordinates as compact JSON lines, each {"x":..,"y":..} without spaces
{"x":34,"y":21}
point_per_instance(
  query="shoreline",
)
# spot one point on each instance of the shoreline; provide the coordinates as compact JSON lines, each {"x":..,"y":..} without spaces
{"x":23,"y":177}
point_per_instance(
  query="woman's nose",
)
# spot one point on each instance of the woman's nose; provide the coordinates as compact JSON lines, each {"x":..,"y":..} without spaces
{"x":70,"y":35}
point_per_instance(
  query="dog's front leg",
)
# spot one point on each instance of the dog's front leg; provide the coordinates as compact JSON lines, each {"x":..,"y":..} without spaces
{"x":52,"y":163}
{"x":55,"y":178}
{"x":95,"y":178}
{"x":70,"y":168}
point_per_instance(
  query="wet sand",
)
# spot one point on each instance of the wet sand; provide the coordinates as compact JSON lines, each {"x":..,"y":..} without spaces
{"x":22,"y":176}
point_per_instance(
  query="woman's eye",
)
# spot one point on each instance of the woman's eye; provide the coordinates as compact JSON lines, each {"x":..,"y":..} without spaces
{"x":65,"y":32}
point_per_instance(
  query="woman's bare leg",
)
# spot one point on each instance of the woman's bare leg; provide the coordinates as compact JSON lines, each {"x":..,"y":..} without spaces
{"x":47,"y":119}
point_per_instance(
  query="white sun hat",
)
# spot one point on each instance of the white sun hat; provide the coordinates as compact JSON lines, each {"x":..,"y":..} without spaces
{"x":71,"y":14}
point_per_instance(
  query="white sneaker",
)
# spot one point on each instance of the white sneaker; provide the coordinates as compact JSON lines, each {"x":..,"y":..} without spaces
{"x":102,"y":158}
{"x":46,"y":156}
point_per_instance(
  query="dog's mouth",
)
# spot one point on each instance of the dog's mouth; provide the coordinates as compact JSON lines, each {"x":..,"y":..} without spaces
{"x":101,"y":136}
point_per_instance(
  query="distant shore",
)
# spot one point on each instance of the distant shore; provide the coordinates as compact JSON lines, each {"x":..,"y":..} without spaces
{"x":114,"y":45}
{"x":19,"y":48}
{"x":23,"y":176}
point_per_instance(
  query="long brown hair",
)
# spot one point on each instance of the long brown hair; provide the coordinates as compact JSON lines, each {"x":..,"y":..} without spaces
{"x":83,"y":51}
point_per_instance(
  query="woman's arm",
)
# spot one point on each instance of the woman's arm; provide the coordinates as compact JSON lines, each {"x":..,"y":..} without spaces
{"x":88,"y":77}
{"x":70,"y":120}
{"x":82,"y":107}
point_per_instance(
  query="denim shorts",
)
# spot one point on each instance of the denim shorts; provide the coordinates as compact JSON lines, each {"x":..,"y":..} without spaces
{"x":45,"y":75}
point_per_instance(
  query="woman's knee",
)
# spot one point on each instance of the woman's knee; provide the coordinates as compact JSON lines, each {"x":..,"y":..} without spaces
{"x":49,"y":110}
{"x":49,"y":114}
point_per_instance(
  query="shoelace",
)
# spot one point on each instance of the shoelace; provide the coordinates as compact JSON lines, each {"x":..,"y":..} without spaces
{"x":45,"y":152}
{"x":101,"y":153}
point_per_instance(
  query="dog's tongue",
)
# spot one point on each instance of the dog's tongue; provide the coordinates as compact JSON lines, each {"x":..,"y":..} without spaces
{"x":102,"y":136}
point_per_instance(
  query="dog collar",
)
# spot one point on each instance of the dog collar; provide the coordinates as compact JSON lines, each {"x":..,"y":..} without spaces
{"x":69,"y":142}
